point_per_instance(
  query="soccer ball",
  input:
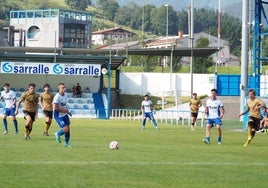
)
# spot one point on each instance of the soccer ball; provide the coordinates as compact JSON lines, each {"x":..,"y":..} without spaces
{"x":114,"y":145}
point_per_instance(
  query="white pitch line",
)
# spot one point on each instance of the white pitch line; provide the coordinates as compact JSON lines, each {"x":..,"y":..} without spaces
{"x":132,"y":163}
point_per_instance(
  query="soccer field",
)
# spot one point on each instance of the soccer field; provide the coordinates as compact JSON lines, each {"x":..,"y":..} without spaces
{"x":174,"y":156}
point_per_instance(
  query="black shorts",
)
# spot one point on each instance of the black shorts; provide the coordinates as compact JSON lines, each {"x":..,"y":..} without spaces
{"x":194,"y":114}
{"x":255,"y":122}
{"x":48,"y":113}
{"x":31,"y":114}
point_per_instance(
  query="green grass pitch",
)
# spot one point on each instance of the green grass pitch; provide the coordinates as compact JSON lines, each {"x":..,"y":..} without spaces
{"x":174,"y":156}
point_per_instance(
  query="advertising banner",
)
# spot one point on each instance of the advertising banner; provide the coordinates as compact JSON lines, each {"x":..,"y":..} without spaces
{"x":50,"y":68}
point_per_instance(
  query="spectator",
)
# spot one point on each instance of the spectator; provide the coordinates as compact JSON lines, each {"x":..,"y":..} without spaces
{"x":78,"y":91}
{"x":88,"y":89}
{"x":74,"y":90}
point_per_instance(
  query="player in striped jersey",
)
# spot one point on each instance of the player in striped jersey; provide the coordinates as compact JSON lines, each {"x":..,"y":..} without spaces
{"x":147,"y":110}
{"x":9,"y":97}
{"x":214,"y":111}
{"x":61,"y":115}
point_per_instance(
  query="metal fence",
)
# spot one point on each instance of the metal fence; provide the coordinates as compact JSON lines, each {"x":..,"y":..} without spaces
{"x":169,"y":117}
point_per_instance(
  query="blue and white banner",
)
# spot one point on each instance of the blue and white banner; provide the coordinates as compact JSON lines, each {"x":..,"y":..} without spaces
{"x":50,"y":68}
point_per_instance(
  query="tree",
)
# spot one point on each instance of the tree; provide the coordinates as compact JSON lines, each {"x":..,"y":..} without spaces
{"x":5,"y":8}
{"x":148,"y":63}
{"x":139,"y":17}
{"x":159,"y":20}
{"x":201,"y":64}
{"x":78,"y":4}
{"x":182,"y":21}
{"x":177,"y":64}
{"x":109,"y":8}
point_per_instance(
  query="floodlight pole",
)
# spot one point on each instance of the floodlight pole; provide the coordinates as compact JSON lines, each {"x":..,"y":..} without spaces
{"x":167,"y":26}
{"x":109,"y":78}
{"x":191,"y":32}
{"x":244,"y":55}
{"x":109,"y":87}
{"x":142,"y":27}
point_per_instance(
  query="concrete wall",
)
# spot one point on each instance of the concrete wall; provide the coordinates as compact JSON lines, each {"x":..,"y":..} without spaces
{"x":46,"y":37}
{"x":162,"y":83}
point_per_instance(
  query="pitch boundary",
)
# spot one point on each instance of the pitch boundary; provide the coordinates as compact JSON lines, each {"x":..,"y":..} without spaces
{"x":132,"y":163}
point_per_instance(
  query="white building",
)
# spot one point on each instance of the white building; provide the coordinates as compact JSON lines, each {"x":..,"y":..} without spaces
{"x":116,"y":35}
{"x":52,"y":28}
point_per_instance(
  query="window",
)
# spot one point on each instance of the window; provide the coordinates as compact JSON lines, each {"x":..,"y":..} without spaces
{"x":32,"y":32}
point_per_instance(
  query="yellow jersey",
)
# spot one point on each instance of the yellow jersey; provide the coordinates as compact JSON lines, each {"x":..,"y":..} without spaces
{"x":194,"y":105}
{"x":30,"y":101}
{"x":46,"y":100}
{"x":253,"y":107}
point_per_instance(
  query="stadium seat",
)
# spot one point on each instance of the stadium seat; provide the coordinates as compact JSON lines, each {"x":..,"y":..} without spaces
{"x":90,"y":100}
{"x":86,"y":95}
{"x":70,"y":95}
{"x":76,"y":106}
{"x":80,"y":101}
{"x":70,"y":101}
{"x":89,"y":112}
{"x":85,"y":107}
{"x":91,"y":106}
{"x":18,"y":95}
{"x":70,"y":106}
{"x":22,"y":89}
{"x":75,"y":112}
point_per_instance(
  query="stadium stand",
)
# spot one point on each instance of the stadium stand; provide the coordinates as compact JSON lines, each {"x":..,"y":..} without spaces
{"x":80,"y":107}
{"x":99,"y":105}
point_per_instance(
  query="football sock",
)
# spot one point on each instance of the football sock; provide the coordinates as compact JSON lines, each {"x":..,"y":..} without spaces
{"x":253,"y":134}
{"x":26,"y":129}
{"x":219,"y":139}
{"x":67,"y":137}
{"x":15,"y":122}
{"x":47,"y":126}
{"x":249,"y":132}
{"x":30,"y":129}
{"x":143,"y":122}
{"x":60,"y":132}
{"x":5,"y":123}
{"x":154,"y":122}
{"x":208,"y":138}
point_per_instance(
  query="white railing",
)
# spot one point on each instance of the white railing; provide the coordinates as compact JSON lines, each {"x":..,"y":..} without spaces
{"x":172,"y":117}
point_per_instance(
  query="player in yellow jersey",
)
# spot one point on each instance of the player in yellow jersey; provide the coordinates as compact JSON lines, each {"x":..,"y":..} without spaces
{"x":30,"y":108}
{"x":194,"y":104}
{"x":46,"y":99}
{"x":254,"y":106}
